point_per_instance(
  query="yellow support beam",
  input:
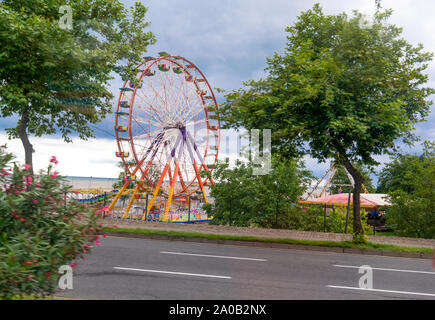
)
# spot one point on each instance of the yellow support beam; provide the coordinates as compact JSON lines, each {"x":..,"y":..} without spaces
{"x":130,"y":203}
{"x":156,"y":190}
{"x":118,"y":195}
{"x":171,"y":192}
{"x":201,"y":185}
{"x":150,"y":205}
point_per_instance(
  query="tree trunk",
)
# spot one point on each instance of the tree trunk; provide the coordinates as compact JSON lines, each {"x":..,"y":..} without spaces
{"x":358,"y":180}
{"x":22,"y":133}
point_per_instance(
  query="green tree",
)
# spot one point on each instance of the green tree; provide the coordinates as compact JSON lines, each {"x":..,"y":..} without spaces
{"x":344,"y":89}
{"x":413,"y":210}
{"x":261,"y":200}
{"x":54,"y":78}
{"x":399,"y":174}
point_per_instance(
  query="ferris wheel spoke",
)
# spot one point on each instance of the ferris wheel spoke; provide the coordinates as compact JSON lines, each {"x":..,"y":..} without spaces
{"x":191,"y":93}
{"x":195,"y":108}
{"x":193,"y":112}
{"x":138,"y":123}
{"x":164,"y":91}
{"x":155,"y":144}
{"x":166,"y":115}
{"x":159,"y":136}
{"x":151,"y":107}
{"x":164,"y":82}
{"x":179,"y":94}
{"x":192,"y":119}
{"x":139,"y":119}
{"x":148,"y":135}
{"x":150,"y":162}
{"x":157,"y":94}
{"x":186,"y":95}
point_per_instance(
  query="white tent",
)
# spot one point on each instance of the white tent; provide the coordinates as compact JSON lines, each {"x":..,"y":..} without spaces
{"x":381,"y":199}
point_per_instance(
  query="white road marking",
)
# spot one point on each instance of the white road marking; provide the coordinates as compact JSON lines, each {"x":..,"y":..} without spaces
{"x":172,"y":272}
{"x":211,"y":256}
{"x":385,"y":269}
{"x":387,"y":291}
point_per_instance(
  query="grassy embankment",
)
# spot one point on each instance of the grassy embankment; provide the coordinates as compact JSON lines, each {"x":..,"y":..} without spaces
{"x":336,"y":244}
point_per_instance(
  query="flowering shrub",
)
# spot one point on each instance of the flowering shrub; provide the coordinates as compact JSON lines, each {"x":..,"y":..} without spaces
{"x":40,"y":230}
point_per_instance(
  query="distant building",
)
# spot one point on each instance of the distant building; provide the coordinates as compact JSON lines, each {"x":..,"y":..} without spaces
{"x":90,"y":182}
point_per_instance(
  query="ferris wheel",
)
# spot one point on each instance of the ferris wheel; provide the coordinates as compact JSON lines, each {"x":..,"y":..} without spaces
{"x":167,"y":130}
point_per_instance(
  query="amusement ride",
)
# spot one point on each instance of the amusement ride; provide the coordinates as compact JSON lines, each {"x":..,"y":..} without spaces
{"x":167,"y":131}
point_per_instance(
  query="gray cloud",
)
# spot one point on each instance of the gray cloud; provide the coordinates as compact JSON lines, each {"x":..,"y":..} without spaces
{"x":229,"y":40}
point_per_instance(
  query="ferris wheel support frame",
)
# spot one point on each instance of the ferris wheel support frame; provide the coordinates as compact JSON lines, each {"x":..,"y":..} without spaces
{"x":174,"y":177}
{"x":156,"y":142}
{"x":333,"y":170}
{"x":159,"y":183}
{"x":127,"y":182}
{"x":184,"y":136}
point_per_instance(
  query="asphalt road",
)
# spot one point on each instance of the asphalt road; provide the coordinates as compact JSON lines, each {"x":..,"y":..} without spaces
{"x":125,"y":268}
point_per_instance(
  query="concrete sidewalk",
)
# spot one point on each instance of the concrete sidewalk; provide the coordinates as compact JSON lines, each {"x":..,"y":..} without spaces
{"x":265,"y":233}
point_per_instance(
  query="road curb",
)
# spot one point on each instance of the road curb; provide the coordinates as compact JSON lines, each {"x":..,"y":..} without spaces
{"x":275,"y":245}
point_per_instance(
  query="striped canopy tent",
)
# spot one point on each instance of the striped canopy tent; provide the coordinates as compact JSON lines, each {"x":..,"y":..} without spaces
{"x":368,"y":200}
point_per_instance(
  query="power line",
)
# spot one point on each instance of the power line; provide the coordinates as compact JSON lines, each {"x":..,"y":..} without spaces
{"x":102,"y":130}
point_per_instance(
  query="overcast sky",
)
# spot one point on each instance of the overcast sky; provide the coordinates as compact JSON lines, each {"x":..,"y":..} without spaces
{"x":229,"y":41}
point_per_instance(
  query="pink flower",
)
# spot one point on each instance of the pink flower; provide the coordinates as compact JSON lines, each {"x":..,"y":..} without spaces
{"x":27,"y":167}
{"x":38,"y":185}
{"x":54,"y":175}
{"x":83,"y":258}
{"x":66,"y":219}
{"x":22,"y":219}
{"x":80,"y":218}
{"x":97,"y":242}
{"x":5,"y":173}
{"x":105,"y":208}
{"x":54,"y":160}
{"x":34,"y":201}
{"x":115,"y":226}
{"x":30,"y":278}
{"x":73,"y":265}
{"x":104,"y":235}
{"x":29,"y":262}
